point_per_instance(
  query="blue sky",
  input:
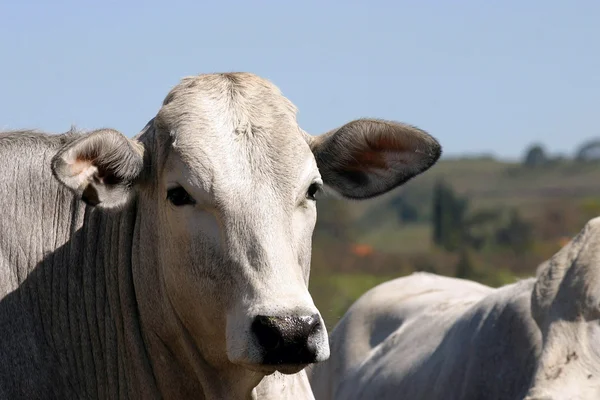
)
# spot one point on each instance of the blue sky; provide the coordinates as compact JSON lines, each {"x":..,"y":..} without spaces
{"x":481,"y":76}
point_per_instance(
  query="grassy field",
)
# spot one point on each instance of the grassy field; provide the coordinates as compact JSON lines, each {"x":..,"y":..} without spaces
{"x":393,"y":237}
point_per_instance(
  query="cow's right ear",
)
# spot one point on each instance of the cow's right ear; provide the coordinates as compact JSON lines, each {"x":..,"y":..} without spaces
{"x":101,"y":167}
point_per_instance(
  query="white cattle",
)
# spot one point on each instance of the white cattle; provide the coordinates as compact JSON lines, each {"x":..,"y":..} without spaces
{"x":430,"y":337}
{"x":175,"y":264}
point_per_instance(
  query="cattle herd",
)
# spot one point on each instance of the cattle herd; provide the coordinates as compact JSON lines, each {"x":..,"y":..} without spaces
{"x":175,"y":265}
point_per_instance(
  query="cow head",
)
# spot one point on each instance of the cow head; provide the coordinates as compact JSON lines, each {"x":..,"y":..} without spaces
{"x":231,"y":183}
{"x":566,"y":306}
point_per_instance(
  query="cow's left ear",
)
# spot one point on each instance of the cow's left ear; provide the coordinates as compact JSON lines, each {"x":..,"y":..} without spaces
{"x":101,"y":167}
{"x":368,"y":157}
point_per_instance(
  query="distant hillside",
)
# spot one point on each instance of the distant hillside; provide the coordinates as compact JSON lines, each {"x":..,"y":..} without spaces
{"x":487,"y":183}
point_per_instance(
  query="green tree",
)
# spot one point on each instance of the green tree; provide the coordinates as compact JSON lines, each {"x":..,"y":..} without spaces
{"x":589,"y":151}
{"x":535,"y":156}
{"x":448,"y":217}
{"x":517,"y":234}
{"x":404,"y":210}
{"x":481,"y":227}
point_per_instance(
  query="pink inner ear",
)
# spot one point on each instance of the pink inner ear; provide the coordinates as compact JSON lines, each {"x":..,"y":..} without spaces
{"x":368,"y":159}
{"x":79,"y":166}
{"x":389,"y":143}
{"x":383,"y":152}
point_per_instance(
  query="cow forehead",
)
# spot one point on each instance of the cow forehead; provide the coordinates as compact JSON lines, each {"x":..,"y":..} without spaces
{"x":235,"y":124}
{"x":226,"y":103}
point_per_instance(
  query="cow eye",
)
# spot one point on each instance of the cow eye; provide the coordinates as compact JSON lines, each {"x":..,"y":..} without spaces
{"x":179,"y":197}
{"x":312,"y":191}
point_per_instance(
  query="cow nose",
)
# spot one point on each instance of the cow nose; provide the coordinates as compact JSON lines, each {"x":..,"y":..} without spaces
{"x":287,"y":340}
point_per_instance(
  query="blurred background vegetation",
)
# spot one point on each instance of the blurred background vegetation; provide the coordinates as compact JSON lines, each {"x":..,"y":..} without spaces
{"x":477,"y":218}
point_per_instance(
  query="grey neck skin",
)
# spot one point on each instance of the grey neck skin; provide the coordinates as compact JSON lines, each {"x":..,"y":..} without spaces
{"x":71,"y":312}
{"x":74,"y":319}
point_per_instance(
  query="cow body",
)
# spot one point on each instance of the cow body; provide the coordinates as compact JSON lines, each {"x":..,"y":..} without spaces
{"x":175,"y":264}
{"x":431,"y":337}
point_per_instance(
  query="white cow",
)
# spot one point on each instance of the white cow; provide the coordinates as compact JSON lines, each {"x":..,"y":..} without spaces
{"x":175,"y":264}
{"x":430,"y":337}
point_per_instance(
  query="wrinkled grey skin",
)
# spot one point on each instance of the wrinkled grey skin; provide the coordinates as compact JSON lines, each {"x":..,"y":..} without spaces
{"x":110,"y":290}
{"x":431,"y":337}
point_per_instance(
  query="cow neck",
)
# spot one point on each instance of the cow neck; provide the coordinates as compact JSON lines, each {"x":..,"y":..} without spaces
{"x":69,"y":314}
{"x":95,"y":325}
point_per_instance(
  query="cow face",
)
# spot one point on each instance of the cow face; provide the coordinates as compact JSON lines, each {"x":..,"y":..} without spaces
{"x":233,"y":181}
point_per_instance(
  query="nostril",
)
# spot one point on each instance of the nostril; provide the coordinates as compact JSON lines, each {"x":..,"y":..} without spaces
{"x":287,"y":339}
{"x":315,"y":322}
{"x":267,"y":332}
{"x":311,"y":324}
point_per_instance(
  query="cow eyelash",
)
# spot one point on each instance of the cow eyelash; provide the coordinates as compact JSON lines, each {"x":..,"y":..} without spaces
{"x":313,"y":190}
{"x":179,"y":197}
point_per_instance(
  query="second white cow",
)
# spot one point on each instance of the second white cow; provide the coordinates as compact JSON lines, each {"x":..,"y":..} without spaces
{"x":431,"y":337}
